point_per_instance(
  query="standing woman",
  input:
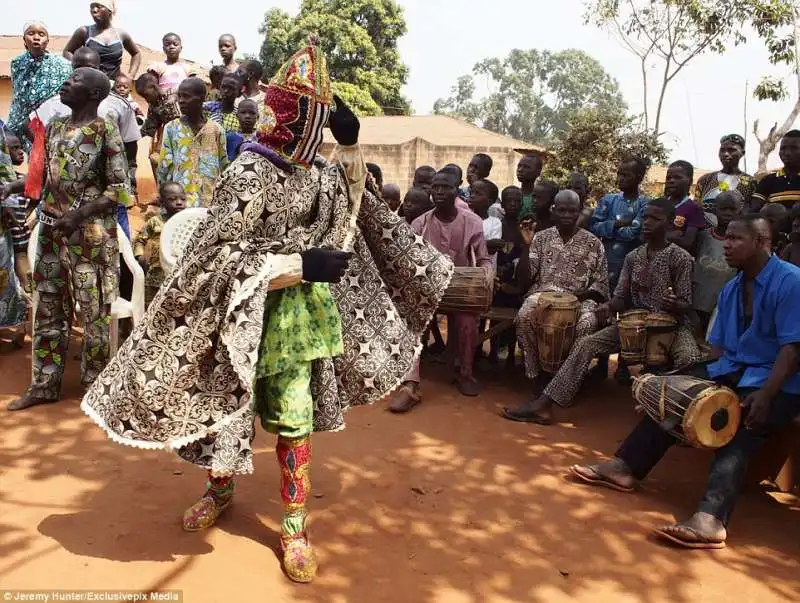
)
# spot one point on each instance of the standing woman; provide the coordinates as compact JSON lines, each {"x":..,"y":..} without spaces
{"x":36,"y":75}
{"x":107,"y":40}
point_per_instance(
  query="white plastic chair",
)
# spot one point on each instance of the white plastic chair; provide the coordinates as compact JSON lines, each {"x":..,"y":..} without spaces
{"x":176,"y":233}
{"x":121,"y":307}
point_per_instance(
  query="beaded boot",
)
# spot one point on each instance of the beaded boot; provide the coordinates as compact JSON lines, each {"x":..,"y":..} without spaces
{"x":205,"y":512}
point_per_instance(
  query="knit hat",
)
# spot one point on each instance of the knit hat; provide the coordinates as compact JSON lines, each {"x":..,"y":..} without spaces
{"x":297,"y":106}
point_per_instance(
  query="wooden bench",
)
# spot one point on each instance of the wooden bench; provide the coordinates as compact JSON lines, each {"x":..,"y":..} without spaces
{"x":504,"y":319}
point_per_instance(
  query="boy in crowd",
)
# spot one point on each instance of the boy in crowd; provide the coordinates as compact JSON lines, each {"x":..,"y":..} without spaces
{"x":778,"y":217}
{"x":216,"y":74}
{"x":416,"y":202}
{"x":479,"y":168}
{"x":544,"y":193}
{"x":391,"y":194}
{"x":194,"y":152}
{"x":223,"y":111}
{"x":247,"y":114}
{"x":459,"y":234}
{"x":146,"y":247}
{"x":227,"y":51}
{"x":452,"y":168}
{"x":529,"y":169}
{"x":711,"y":270}
{"x":483,"y":194}
{"x":162,"y":108}
{"x":423,"y":178}
{"x":122,"y":88}
{"x":172,"y":71}
{"x":690,"y":218}
{"x":782,"y":186}
{"x":250,"y":73}
{"x":377,"y":175}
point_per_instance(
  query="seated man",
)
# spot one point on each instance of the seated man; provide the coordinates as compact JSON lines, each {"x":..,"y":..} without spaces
{"x":567,"y":258}
{"x":757,"y":346}
{"x":657,"y":277}
{"x":457,"y":233}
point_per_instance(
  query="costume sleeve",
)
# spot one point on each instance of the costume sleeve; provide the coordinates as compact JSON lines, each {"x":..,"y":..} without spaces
{"x":601,"y":225}
{"x":116,"y":167}
{"x":166,"y":157}
{"x":352,"y":161}
{"x":682,"y":273}
{"x":786,"y":324}
{"x":599,"y":272}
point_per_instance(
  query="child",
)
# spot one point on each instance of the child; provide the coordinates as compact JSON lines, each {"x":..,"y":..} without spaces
{"x":250,"y":72}
{"x":215,"y":75}
{"x":391,"y":194}
{"x":146,"y":247}
{"x":193,"y":152}
{"x":162,"y":108}
{"x":122,"y":88}
{"x":223,"y":111}
{"x":482,"y":195}
{"x":544,"y":193}
{"x":711,"y":271}
{"x":247,"y":114}
{"x":172,"y":71}
{"x":791,"y":253}
{"x":689,"y":216}
{"x":416,"y":202}
{"x":778,"y":217}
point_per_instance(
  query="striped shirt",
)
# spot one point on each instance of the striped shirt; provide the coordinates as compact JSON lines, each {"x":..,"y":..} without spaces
{"x":777,"y":187}
{"x":13,"y":221}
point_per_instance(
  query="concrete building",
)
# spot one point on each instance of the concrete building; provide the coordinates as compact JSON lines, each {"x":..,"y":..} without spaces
{"x":11,"y":46}
{"x":399,"y":144}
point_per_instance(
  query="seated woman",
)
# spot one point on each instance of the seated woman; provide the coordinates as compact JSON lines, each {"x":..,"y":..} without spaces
{"x":757,"y":348}
{"x":657,"y":277}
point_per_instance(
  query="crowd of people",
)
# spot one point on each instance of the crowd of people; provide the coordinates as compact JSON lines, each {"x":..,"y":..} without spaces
{"x":264,"y":316}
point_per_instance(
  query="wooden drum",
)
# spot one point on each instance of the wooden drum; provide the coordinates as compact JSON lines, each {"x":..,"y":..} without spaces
{"x":470,"y":291}
{"x":555,"y":319}
{"x":632,"y":328}
{"x":661,"y":330}
{"x":699,"y":412}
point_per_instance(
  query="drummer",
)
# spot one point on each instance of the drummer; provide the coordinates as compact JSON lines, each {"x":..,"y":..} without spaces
{"x":657,"y":277}
{"x":760,"y":362}
{"x":563,"y":258}
{"x":458,"y":233}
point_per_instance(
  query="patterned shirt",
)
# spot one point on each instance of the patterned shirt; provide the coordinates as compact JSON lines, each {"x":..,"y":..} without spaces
{"x":572,"y":266}
{"x":711,"y":185}
{"x":778,"y":188}
{"x":194,"y":161}
{"x":644,"y":281}
{"x":228,"y":121}
{"x":161,"y":113}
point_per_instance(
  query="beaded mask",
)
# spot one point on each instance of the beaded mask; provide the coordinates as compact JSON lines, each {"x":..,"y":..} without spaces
{"x":297,"y":106}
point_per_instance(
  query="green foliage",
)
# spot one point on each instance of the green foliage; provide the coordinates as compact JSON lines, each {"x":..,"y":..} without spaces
{"x":595,"y":142}
{"x":359,"y":38}
{"x":533,"y":93}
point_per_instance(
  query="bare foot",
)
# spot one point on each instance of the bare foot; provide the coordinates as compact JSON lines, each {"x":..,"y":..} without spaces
{"x":27,"y":401}
{"x":701,"y":531}
{"x":612,"y":474}
{"x":540,"y":411}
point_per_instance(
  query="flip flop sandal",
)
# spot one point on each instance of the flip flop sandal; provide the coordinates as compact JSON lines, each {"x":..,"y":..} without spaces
{"x":700,"y":542}
{"x":529,"y":418}
{"x":598,"y":480}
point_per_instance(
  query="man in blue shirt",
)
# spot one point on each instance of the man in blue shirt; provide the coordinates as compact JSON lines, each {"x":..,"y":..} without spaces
{"x":756,"y":346}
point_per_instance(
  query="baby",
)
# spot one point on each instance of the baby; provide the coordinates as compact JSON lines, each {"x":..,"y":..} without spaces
{"x":122,"y":88}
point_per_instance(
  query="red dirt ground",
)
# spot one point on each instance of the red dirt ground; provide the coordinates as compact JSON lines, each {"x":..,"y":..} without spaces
{"x":448,"y":504}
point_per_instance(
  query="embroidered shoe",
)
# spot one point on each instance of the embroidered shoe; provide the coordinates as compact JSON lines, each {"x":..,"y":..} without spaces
{"x":299,"y":560}
{"x":204,"y":513}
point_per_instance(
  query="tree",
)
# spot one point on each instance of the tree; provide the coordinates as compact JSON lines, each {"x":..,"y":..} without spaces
{"x":674,"y":32}
{"x":782,"y":48}
{"x":359,"y":38}
{"x":595,"y":143}
{"x":533,"y":93}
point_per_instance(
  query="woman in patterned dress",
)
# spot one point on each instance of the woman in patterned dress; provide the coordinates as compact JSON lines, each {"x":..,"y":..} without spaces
{"x":262,"y":317}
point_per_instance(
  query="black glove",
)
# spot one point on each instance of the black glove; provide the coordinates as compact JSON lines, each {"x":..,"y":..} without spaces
{"x":325,"y":265}
{"x":344,"y":124}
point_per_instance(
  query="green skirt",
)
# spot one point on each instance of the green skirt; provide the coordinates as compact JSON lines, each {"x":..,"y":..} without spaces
{"x":301,"y":324}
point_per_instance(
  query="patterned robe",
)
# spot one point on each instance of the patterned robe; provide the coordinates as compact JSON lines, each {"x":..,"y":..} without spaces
{"x":184,"y":379}
{"x":575,"y":266}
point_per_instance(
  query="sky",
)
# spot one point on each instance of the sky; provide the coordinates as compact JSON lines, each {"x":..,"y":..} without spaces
{"x":447,"y":37}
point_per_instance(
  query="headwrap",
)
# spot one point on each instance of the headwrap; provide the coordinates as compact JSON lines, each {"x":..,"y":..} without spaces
{"x":733,"y":139}
{"x":297,"y":106}
{"x":29,"y":24}
{"x":111,"y":5}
